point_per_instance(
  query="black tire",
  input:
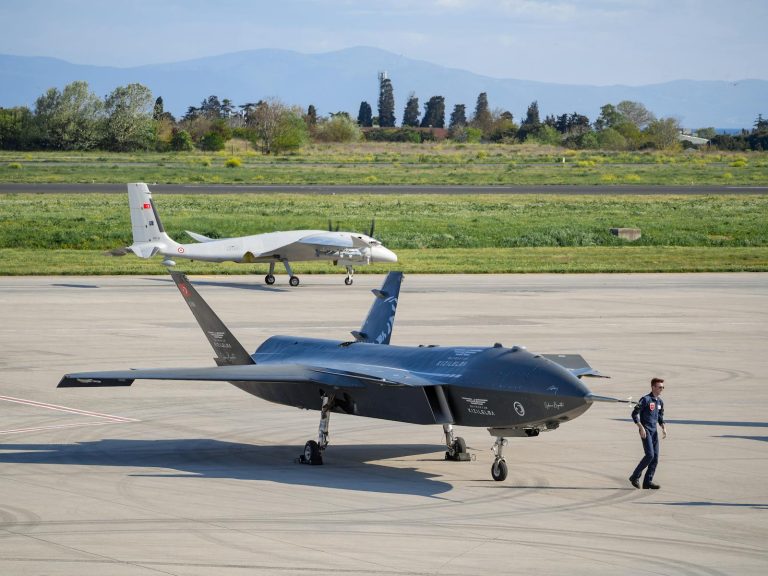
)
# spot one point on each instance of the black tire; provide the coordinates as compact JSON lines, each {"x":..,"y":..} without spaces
{"x":499,"y":470}
{"x":269,"y":279}
{"x":348,"y":281}
{"x":294,"y":281}
{"x":459,"y":446}
{"x":312,"y":453}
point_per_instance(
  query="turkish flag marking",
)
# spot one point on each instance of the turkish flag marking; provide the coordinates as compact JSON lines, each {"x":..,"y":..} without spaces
{"x":147,"y":206}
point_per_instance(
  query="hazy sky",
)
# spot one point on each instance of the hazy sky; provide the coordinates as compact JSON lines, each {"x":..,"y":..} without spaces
{"x":599,"y":42}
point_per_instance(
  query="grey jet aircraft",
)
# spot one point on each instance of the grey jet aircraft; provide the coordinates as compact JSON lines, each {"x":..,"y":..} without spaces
{"x":509,"y":391}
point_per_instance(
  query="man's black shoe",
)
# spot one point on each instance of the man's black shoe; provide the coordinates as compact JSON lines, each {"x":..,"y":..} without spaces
{"x":651,"y":486}
{"x":635,"y":482}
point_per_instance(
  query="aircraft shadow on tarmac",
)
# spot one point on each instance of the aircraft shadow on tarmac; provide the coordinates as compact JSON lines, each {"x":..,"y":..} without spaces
{"x":75,"y":285}
{"x":703,"y":503}
{"x":346,"y":467}
{"x":223,"y":284}
{"x":758,"y":438}
{"x":734,"y":423}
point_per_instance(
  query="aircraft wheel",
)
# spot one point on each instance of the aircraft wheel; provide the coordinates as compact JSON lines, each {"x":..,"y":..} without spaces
{"x":499,"y":470}
{"x":269,"y":279}
{"x":458,"y":451}
{"x":294,"y":281}
{"x":312,"y":453}
{"x":348,"y":281}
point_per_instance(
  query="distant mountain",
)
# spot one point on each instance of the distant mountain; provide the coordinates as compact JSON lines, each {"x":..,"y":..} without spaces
{"x":337,"y":81}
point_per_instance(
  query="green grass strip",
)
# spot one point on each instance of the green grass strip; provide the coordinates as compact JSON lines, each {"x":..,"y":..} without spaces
{"x":17,"y":261}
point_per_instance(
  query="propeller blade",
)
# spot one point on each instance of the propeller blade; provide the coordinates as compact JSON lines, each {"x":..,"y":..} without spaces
{"x":373,"y":227}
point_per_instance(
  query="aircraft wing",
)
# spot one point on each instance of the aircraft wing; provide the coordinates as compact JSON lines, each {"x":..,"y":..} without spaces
{"x":201,"y":238}
{"x":360,"y":377}
{"x":575,"y":364}
{"x":337,"y":240}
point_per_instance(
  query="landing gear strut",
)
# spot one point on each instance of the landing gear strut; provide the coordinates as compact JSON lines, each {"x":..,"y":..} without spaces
{"x":457,"y":448}
{"x":350,"y":273}
{"x":270,"y":277}
{"x":294,"y":280}
{"x":313,"y":450}
{"x":499,"y":467}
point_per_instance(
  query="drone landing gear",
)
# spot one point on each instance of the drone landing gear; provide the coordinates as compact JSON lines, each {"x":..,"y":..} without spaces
{"x":457,"y":448}
{"x":270,"y":277}
{"x":313,"y":450}
{"x":350,"y":274}
{"x":499,"y":466}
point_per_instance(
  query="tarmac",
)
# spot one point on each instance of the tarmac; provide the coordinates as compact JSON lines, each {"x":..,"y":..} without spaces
{"x":190,"y":478}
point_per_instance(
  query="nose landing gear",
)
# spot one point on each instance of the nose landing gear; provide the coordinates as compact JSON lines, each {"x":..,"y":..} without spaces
{"x":499,"y":467}
{"x":350,"y":274}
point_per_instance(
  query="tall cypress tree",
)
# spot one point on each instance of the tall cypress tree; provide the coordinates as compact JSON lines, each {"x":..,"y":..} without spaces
{"x":365,"y":115}
{"x":434,"y":113}
{"x":411,"y":115}
{"x":532,"y":122}
{"x":482,"y":118}
{"x":458,"y":116}
{"x":158,"y":110}
{"x":386,"y":102}
{"x":310,"y":118}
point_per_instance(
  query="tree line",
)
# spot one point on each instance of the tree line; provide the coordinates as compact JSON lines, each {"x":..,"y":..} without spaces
{"x":130,"y":119}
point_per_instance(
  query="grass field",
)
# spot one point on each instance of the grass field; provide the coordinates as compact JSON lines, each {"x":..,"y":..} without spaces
{"x":68,"y":233}
{"x":436,"y":261}
{"x":372,"y":163}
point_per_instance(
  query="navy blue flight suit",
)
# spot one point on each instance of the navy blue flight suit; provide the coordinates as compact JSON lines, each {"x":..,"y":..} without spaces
{"x":648,"y":411}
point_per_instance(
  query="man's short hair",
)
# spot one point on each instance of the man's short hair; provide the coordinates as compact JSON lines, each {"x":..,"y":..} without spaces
{"x":655,"y":381}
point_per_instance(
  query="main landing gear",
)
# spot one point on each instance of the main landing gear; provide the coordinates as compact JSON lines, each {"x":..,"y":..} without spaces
{"x":270,"y":277}
{"x":499,"y":466}
{"x":313,"y":450}
{"x":457,"y":448}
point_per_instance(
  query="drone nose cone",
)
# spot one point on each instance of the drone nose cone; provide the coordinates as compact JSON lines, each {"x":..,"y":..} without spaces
{"x":560,"y":382}
{"x":382,"y":254}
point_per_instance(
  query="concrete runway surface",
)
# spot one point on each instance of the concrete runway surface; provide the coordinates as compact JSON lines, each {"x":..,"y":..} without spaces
{"x":198,"y":478}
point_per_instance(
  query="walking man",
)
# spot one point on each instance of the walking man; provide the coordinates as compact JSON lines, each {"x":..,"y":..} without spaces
{"x":648,"y":412}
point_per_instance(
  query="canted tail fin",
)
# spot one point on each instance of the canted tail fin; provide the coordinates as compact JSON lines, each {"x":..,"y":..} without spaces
{"x":228,"y":350}
{"x":149,"y":236}
{"x":377,"y":328}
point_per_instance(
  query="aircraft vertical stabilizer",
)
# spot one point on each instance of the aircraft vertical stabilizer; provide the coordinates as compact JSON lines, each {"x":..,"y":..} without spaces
{"x":149,"y":236}
{"x":377,"y":328}
{"x":228,"y":350}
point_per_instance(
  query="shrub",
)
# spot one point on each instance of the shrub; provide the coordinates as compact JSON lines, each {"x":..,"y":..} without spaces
{"x":213,"y":142}
{"x":14,"y":166}
{"x":233,"y":162}
{"x":338,"y":129}
{"x":181,"y":141}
